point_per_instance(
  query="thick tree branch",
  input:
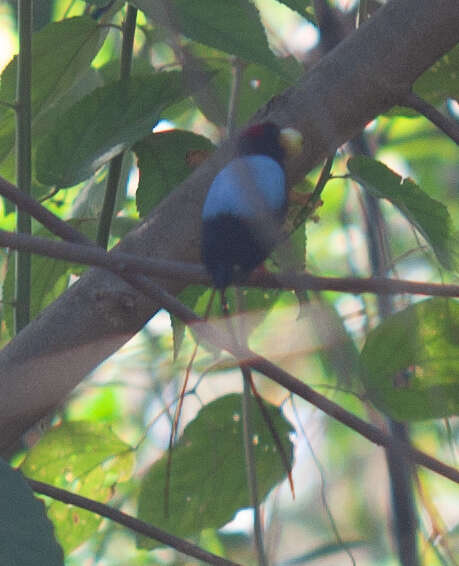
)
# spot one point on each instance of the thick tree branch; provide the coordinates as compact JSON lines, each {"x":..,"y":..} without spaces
{"x":365,"y":75}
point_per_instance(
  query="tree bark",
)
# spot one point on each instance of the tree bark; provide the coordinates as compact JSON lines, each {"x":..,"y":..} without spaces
{"x":364,"y":76}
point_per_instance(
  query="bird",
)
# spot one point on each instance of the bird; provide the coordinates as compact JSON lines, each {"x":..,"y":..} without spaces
{"x":246,"y":204}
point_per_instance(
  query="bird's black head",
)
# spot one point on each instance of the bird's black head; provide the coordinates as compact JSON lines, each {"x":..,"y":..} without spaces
{"x":261,"y":139}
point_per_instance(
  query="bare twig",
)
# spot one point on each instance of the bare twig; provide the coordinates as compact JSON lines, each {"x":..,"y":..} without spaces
{"x":448,"y":127}
{"x":122,"y":262}
{"x":49,"y":220}
{"x":130,"y":522}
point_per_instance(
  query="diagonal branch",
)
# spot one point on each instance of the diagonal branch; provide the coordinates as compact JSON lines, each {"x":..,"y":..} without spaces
{"x":247,"y":357}
{"x":129,"y":521}
{"x":448,"y":127}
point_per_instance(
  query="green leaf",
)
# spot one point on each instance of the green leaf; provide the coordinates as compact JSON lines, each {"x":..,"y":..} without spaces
{"x":441,"y":81}
{"x":257,"y":86}
{"x":103,"y":124}
{"x":61,"y":52}
{"x":338,"y":352}
{"x":26,"y":534}
{"x":233,"y":27}
{"x":163,"y":161}
{"x":208,"y":478}
{"x":410,"y":362}
{"x":437,"y":84}
{"x":86,"y":458}
{"x":428,"y":215}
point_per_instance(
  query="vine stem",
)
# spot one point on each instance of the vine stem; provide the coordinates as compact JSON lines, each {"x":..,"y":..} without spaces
{"x":114,"y":171}
{"x":23,"y":159}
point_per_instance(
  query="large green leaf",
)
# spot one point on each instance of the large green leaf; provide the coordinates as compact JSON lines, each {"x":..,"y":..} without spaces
{"x":164,"y":162}
{"x":61,"y":52}
{"x":233,"y":27}
{"x":86,"y":458}
{"x":208,"y":478}
{"x":410,"y":362}
{"x":103,"y":124}
{"x":26,"y":534}
{"x":428,"y":215}
{"x":258,"y":84}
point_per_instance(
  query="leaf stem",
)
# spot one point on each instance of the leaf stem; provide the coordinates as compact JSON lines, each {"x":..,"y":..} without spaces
{"x":114,"y":172}
{"x":23,"y":159}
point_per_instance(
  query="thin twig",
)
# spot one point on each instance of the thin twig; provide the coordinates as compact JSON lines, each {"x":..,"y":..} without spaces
{"x":128,"y":521}
{"x":323,"y":494}
{"x":178,"y":412}
{"x":251,"y":465}
{"x":114,"y":172}
{"x":447,"y":126}
{"x":233,"y":105}
{"x":247,"y":428}
{"x":195,"y":273}
{"x":49,"y":220}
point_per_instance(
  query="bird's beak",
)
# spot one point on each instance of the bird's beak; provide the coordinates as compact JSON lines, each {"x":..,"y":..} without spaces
{"x":291,"y":141}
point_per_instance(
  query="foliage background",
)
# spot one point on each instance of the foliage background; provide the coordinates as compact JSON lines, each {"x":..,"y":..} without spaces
{"x":115,"y":424}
